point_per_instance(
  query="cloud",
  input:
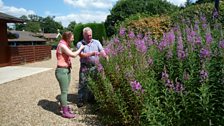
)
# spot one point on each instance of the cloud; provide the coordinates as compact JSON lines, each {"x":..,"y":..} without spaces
{"x":1,"y":4}
{"x":17,"y":12}
{"x":83,"y":17}
{"x":179,"y":2}
{"x":91,"y":4}
{"x":49,"y":13}
{"x":89,"y":15}
{"x":79,"y":16}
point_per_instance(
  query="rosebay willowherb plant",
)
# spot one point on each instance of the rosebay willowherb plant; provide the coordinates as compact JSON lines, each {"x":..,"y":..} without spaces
{"x":178,"y":80}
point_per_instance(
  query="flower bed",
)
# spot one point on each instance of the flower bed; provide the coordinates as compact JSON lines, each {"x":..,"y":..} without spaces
{"x":177,"y":80}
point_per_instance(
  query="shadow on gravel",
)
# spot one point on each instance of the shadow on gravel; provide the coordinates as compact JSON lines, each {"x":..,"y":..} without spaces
{"x":52,"y":106}
{"x":71,"y":98}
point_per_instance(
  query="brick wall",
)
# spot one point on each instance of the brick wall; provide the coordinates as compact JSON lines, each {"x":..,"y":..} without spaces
{"x":29,"y":53}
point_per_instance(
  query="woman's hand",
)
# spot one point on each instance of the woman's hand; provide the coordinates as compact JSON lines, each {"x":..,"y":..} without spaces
{"x":94,"y":53}
{"x":82,"y":47}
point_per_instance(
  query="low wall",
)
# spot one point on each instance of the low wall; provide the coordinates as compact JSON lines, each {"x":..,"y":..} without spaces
{"x":29,"y":53}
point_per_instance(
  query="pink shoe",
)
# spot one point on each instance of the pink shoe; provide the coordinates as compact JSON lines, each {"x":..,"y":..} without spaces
{"x":69,"y":109}
{"x":66,"y":113}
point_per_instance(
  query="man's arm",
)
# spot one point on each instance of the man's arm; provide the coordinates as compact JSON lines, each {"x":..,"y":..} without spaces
{"x":102,"y":52}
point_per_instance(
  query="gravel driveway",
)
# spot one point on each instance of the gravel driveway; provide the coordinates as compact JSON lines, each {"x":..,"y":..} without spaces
{"x":33,"y":100}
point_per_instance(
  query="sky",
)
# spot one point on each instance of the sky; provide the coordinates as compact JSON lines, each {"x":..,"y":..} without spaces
{"x":65,"y":11}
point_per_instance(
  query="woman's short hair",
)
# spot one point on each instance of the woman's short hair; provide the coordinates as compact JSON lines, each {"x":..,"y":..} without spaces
{"x":67,"y":35}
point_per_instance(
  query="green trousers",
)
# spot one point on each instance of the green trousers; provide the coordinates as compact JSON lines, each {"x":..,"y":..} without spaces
{"x":63,"y":76}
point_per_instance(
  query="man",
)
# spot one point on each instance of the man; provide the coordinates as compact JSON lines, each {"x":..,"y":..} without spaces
{"x":88,"y":59}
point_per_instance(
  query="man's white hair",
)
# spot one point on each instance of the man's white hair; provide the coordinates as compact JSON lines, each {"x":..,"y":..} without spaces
{"x":86,"y":29}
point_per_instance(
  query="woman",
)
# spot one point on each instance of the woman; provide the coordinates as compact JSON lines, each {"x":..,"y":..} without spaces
{"x":63,"y":70}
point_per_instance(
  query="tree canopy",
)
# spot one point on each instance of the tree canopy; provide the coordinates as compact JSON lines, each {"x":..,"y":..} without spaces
{"x":204,"y":1}
{"x":71,"y":26}
{"x":36,"y":23}
{"x":51,"y":26}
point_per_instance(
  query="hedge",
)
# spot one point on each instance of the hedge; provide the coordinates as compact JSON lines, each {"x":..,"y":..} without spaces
{"x":98,"y":29}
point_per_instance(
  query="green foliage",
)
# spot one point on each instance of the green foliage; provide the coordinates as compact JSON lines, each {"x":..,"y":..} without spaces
{"x":204,"y":1}
{"x":32,"y":27}
{"x":188,"y":3}
{"x":71,"y":26}
{"x":50,"y":26}
{"x":36,"y":24}
{"x":125,"y":8}
{"x":97,"y":28}
{"x":78,"y":33}
{"x":34,"y":18}
{"x":19,"y":27}
{"x":173,"y":81}
{"x":205,"y":9}
{"x":134,"y":17}
{"x":156,"y":25}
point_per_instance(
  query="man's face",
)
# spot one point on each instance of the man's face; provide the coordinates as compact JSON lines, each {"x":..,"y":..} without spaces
{"x":88,"y":36}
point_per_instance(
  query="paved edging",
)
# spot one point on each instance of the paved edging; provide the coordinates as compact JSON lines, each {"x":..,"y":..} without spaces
{"x":11,"y":73}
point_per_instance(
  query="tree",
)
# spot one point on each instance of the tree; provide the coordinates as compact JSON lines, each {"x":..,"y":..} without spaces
{"x":71,"y":26}
{"x":36,"y":23}
{"x":21,"y":26}
{"x":32,"y":26}
{"x":125,"y":8}
{"x":32,"y":23}
{"x":188,"y":3}
{"x":35,"y":18}
{"x":48,"y":25}
{"x":204,"y":1}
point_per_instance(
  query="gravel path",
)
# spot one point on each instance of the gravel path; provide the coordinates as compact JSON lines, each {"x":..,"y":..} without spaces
{"x":33,"y":100}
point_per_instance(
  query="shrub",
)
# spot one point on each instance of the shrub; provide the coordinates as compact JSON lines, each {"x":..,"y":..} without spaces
{"x":78,"y":33}
{"x":188,"y":14}
{"x":156,"y":25}
{"x":125,"y":8}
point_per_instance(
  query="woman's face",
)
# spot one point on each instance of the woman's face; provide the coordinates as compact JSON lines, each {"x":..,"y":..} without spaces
{"x":71,"y":39}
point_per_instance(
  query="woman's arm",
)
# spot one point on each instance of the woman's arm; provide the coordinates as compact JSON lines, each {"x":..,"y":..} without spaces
{"x":84,"y":55}
{"x":68,"y":51}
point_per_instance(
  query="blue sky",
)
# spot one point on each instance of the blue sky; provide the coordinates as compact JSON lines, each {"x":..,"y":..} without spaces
{"x":65,"y":11}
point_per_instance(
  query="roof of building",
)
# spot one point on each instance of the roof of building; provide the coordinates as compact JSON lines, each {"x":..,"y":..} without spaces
{"x":10,"y":19}
{"x":51,"y":35}
{"x":24,"y":36}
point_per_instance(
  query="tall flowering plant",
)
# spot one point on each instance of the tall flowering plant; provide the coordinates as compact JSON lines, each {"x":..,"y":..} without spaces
{"x":176,"y":80}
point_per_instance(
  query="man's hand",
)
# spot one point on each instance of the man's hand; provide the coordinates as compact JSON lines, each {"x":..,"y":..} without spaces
{"x":103,"y":53}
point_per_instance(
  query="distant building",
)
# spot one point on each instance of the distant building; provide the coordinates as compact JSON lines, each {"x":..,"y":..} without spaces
{"x":51,"y":37}
{"x":25,"y":38}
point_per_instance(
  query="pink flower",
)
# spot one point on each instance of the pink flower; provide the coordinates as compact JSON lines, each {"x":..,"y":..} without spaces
{"x":136,"y":86}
